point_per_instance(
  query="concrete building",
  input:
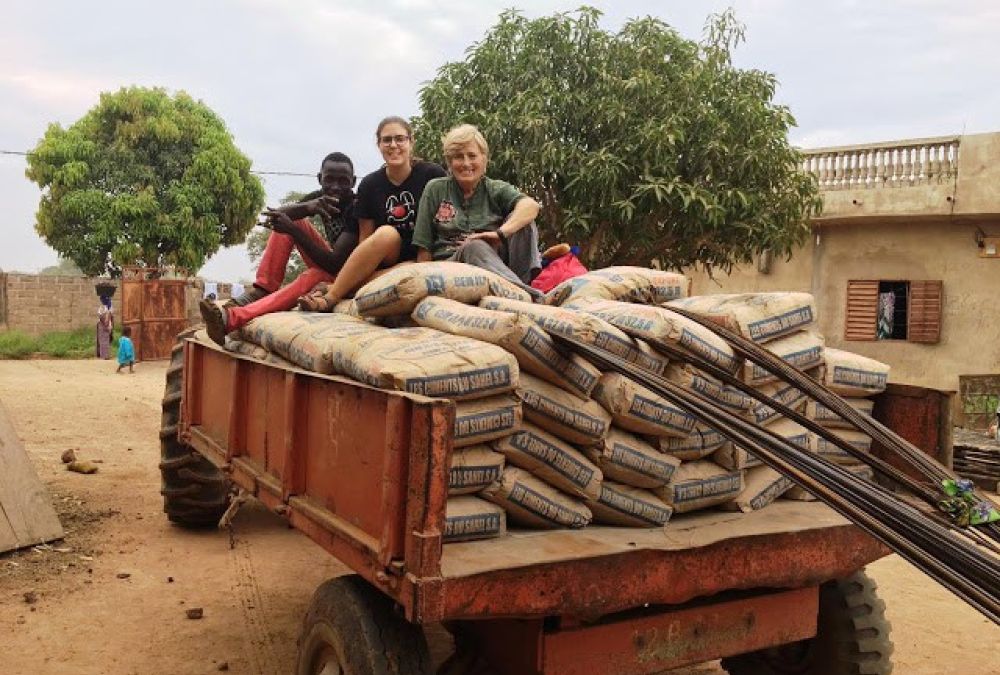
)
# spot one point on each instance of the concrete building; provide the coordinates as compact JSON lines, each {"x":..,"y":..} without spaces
{"x":914,"y":224}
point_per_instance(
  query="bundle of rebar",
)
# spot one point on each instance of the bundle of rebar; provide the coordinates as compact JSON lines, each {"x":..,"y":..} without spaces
{"x":933,"y":472}
{"x":955,"y":557}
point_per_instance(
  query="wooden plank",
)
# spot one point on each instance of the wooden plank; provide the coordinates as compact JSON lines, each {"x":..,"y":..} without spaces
{"x":26,"y":513}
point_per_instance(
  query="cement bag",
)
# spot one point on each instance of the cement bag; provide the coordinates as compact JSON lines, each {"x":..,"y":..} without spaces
{"x":586,"y":328}
{"x":762,"y":485}
{"x":660,"y":324}
{"x":852,"y":374}
{"x":562,"y":414}
{"x":628,"y":284}
{"x":701,"y":442}
{"x":468,"y":518}
{"x":554,"y":461}
{"x":757,"y":316}
{"x":819,"y":413}
{"x":832,"y":452}
{"x":318,"y":342}
{"x":255,"y":352}
{"x":346,"y":306}
{"x":786,"y":394}
{"x":427,"y":362}
{"x":698,"y":485}
{"x":730,"y":398}
{"x":399,"y":290}
{"x":473,"y":468}
{"x":735,"y":458}
{"x":636,"y":408}
{"x":482,"y":420}
{"x":246,"y":349}
{"x":793,"y":433}
{"x":803,"y":350}
{"x":627,"y":459}
{"x":530,"y":502}
{"x":799,"y":494}
{"x":534,"y":350}
{"x":628,"y":506}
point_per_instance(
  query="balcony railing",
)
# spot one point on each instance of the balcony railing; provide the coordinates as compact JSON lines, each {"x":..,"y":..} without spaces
{"x":892,"y":164}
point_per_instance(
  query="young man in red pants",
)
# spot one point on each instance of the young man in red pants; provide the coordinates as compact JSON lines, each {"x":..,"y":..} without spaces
{"x":323,"y":256}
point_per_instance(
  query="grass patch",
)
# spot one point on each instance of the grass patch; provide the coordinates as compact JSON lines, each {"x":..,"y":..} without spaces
{"x":16,"y":345}
{"x":73,"y":344}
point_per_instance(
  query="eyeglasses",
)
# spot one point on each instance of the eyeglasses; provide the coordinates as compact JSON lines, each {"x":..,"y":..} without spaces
{"x":388,"y":140}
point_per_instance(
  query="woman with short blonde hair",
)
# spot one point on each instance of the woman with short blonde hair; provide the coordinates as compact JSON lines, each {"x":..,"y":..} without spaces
{"x":462,"y":135}
{"x":471,"y":218}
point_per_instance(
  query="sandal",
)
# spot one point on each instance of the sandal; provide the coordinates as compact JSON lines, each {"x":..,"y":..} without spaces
{"x":315,"y":302}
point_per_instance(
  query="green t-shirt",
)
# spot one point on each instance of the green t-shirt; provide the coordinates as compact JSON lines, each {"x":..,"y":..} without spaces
{"x":445,"y":215}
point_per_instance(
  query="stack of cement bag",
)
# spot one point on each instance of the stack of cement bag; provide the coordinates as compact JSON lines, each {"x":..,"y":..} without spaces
{"x":480,"y":377}
{"x":544,"y":438}
{"x":566,"y":466}
{"x":783,"y":323}
{"x":698,"y":482}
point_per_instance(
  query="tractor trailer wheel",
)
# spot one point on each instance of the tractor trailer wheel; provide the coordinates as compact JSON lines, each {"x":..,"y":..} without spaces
{"x":195,"y":493}
{"x":353,"y":629}
{"x":852,"y":637}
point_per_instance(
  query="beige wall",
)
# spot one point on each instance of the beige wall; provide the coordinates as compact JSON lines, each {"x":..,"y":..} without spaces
{"x":970,"y":335}
{"x":971,"y":194}
{"x":37,"y":304}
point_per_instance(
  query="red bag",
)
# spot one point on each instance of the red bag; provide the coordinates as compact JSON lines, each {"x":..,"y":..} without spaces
{"x":558,"y":271}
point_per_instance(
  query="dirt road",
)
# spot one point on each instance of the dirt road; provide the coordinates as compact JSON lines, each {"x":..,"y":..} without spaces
{"x":111,"y":598}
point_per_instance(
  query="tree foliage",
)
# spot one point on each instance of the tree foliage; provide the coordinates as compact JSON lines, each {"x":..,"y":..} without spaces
{"x":144,"y":178}
{"x":640,"y":145}
{"x":257,"y":241}
{"x":64,"y":268}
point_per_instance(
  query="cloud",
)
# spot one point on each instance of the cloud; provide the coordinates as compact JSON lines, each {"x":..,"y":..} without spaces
{"x":63,"y":89}
{"x":295,"y":80}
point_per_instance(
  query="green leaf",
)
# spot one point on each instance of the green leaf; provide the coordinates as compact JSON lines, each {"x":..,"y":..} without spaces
{"x":640,"y":144}
{"x":143,"y":178}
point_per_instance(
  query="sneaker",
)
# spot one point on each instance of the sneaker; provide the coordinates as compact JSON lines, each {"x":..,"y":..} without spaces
{"x":215,"y":321}
{"x":253,"y":295}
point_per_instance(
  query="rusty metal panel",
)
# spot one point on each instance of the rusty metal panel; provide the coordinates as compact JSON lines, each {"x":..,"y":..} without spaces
{"x":427,"y":489}
{"x":920,"y":415}
{"x":349,"y":451}
{"x":157,"y":338}
{"x":155,"y":309}
{"x":163,"y":299}
{"x":602,"y":585}
{"x":652,"y":644}
{"x":131,"y":307}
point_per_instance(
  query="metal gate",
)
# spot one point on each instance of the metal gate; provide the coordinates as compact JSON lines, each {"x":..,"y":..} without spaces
{"x":155,"y":309}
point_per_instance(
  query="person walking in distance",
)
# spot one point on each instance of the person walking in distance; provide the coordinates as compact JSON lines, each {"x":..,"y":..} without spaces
{"x":126,"y":350}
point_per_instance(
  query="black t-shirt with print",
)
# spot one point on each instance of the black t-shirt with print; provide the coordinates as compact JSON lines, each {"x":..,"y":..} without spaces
{"x":387,"y":204}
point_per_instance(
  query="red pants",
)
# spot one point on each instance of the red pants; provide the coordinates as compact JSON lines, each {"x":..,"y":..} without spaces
{"x":270,"y":274}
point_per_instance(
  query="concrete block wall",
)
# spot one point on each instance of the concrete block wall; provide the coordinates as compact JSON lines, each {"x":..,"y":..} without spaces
{"x":37,"y":304}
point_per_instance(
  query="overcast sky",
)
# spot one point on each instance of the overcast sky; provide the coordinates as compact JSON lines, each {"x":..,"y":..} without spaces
{"x":296,"y":79}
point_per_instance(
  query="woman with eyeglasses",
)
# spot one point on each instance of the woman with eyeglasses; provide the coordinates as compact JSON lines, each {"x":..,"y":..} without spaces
{"x":387,"y":212}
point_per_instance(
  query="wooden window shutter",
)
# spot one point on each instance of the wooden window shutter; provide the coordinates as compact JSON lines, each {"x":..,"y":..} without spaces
{"x":862,"y":310}
{"x":924,"y":314}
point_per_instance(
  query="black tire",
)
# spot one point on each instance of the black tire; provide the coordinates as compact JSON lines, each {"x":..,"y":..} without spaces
{"x":353,"y":629}
{"x":852,"y":637}
{"x":195,"y":493}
